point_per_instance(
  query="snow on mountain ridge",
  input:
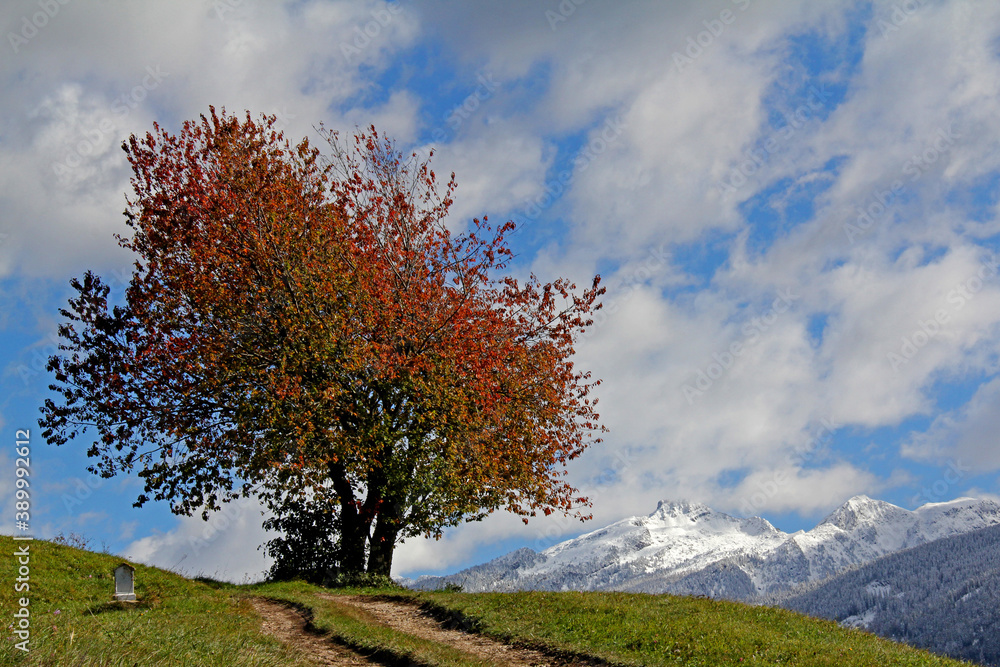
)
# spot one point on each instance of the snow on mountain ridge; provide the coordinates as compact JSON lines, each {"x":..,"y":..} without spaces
{"x":861,"y":510}
{"x":687,"y":547}
{"x":681,"y":507}
{"x":678,"y":536}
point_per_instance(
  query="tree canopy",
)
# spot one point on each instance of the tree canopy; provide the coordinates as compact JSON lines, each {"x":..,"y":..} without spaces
{"x":304,"y":326}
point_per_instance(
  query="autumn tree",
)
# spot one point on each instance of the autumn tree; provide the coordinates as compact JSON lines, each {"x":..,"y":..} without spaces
{"x":304,"y":326}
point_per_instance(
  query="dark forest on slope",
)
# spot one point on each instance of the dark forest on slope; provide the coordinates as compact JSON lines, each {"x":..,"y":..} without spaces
{"x":941,"y":596}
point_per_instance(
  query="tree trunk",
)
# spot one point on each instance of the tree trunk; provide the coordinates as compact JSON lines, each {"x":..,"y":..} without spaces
{"x":353,"y":529}
{"x":352,"y":546}
{"x":383,"y":542}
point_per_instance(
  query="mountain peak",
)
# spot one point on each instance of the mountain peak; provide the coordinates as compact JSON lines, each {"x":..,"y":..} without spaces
{"x":862,"y":510}
{"x":681,"y":508}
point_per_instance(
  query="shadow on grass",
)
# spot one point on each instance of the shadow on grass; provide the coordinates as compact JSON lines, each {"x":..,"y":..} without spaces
{"x":119,"y":606}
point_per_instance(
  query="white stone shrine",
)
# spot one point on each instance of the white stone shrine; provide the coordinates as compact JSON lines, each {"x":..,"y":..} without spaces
{"x":125,"y":583}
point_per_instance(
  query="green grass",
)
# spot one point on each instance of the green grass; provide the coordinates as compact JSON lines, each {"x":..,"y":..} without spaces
{"x":177,"y":621}
{"x":637,"y":629}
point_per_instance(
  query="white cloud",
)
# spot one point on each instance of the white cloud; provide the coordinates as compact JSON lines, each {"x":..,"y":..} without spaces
{"x":967,"y":435}
{"x":792,"y":489}
{"x":93,"y":76}
{"x":497,"y":170}
{"x":225,"y":547}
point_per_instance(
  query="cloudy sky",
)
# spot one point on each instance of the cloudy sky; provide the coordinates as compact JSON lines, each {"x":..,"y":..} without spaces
{"x":794,"y":205}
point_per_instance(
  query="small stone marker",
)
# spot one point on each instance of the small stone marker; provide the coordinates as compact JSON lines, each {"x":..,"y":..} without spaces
{"x":125,"y":583}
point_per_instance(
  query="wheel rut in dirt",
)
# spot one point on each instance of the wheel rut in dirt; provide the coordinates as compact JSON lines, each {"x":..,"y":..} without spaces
{"x":289,"y":625}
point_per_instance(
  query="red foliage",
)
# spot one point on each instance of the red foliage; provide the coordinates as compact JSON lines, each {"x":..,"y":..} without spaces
{"x":307,"y":323}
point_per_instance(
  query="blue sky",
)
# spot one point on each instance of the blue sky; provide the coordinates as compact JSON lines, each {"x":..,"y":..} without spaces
{"x":794,"y":205}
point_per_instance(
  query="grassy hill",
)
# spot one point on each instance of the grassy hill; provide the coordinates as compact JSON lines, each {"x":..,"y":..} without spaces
{"x":177,"y":621}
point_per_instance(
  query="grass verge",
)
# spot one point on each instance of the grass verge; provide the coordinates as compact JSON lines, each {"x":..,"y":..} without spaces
{"x":638,"y":629}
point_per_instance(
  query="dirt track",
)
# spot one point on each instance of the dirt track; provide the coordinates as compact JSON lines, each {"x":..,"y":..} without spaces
{"x":287,"y":624}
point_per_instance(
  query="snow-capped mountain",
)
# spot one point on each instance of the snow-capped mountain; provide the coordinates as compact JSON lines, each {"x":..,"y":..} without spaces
{"x":689,"y":548}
